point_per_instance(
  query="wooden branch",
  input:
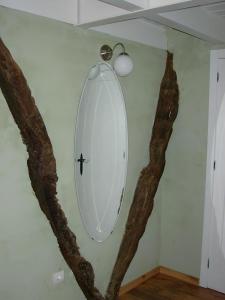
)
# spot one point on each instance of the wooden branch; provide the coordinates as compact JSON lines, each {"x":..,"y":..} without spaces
{"x":42,"y":167}
{"x":42,"y":171}
{"x":147,"y":185}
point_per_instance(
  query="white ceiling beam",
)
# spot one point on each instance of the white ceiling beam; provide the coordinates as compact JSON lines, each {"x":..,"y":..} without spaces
{"x":130,"y":5}
{"x":173,"y":5}
{"x":160,"y":3}
{"x":187,"y":16}
{"x":151,"y":12}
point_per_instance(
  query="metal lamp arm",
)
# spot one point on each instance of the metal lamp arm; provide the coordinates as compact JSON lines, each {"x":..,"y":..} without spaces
{"x":119,"y":44}
{"x":106,"y":52}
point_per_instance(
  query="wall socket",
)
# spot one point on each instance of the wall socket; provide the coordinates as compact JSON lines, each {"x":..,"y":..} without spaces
{"x":58,"y":278}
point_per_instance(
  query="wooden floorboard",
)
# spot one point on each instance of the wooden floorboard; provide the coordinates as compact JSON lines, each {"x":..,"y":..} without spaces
{"x":163,"y":287}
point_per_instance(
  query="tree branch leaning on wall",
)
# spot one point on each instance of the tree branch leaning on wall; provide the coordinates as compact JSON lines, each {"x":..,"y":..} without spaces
{"x":42,"y":171}
{"x":148,"y":181}
{"x":42,"y":167}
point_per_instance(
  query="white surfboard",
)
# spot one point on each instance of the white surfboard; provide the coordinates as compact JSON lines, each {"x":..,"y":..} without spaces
{"x":101,"y":151}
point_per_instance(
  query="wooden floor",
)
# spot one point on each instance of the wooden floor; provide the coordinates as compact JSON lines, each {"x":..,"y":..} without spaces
{"x":162,"y":287}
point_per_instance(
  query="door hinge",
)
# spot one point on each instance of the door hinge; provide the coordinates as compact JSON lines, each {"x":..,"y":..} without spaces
{"x":214,"y":165}
{"x":208,"y":263}
{"x":218,"y":77}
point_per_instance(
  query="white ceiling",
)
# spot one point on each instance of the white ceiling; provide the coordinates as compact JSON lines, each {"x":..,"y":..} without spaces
{"x":138,"y":30}
{"x":201,"y":18}
{"x":204,"y":19}
{"x":217,"y":9}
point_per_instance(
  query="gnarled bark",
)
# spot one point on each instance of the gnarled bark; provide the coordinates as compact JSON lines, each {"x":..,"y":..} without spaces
{"x":42,"y":167}
{"x":147,"y":185}
{"x":42,"y":171}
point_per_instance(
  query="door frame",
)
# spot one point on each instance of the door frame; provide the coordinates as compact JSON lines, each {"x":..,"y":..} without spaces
{"x":212,"y":119}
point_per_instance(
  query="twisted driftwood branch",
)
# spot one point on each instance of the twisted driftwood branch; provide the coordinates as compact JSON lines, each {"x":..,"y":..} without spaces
{"x":42,"y":171}
{"x":42,"y":167}
{"x":147,"y":185}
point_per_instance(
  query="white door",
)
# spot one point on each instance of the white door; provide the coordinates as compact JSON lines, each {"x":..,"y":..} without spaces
{"x":216,"y":262}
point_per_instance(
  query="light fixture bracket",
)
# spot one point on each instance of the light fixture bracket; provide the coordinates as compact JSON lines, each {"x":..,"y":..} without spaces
{"x":106,"y":52}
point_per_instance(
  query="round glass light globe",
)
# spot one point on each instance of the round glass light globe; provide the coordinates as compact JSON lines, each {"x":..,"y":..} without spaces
{"x":123,"y":65}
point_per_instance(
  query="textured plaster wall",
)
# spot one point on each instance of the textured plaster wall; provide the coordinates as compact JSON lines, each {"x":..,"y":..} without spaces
{"x":55,"y":58}
{"x":183,"y":182}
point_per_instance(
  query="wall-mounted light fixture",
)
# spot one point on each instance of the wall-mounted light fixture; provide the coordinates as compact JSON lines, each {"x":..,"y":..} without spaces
{"x":123,"y":64}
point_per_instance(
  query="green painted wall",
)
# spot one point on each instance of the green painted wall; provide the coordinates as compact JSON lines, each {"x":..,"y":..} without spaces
{"x":183,"y":182}
{"x":55,"y":58}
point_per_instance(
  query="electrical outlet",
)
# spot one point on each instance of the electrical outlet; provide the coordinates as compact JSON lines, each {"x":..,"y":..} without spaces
{"x":58,"y":277}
